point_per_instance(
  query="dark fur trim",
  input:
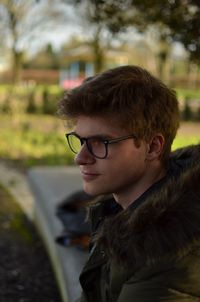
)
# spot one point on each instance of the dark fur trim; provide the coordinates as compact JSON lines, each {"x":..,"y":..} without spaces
{"x":166,"y":224}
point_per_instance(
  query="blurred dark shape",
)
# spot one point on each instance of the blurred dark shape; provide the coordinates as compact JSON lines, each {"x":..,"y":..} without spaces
{"x":72,"y":212}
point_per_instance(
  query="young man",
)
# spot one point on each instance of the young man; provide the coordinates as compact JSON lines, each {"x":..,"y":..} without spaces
{"x":146,"y":228}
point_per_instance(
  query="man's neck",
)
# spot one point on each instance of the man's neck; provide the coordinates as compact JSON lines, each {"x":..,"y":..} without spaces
{"x":125,"y":198}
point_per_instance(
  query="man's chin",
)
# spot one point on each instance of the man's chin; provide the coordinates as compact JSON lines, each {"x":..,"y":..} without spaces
{"x":92,"y":190}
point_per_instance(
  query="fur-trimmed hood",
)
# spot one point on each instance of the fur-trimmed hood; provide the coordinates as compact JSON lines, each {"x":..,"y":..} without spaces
{"x":167,"y":223}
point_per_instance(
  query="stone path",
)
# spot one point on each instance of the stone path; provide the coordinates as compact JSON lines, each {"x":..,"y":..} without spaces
{"x":38,"y":193}
{"x":50,"y":185}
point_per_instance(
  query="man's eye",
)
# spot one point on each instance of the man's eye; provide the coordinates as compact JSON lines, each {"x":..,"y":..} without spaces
{"x":96,"y":141}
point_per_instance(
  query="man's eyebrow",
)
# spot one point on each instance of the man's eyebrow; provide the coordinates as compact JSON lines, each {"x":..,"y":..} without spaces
{"x":101,"y":136}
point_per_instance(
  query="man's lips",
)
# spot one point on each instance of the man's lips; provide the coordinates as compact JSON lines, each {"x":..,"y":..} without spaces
{"x":87,"y":175}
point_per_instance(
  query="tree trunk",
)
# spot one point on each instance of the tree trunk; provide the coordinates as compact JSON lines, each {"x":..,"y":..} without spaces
{"x":98,"y":51}
{"x":17,"y":59}
{"x":162,"y":58}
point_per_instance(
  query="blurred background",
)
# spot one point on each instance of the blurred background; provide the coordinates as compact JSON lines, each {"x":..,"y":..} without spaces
{"x":47,"y":47}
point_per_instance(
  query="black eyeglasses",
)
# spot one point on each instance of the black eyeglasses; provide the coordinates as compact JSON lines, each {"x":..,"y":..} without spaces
{"x":96,"y":145}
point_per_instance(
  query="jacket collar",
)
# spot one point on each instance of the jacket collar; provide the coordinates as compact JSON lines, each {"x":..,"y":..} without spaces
{"x":165,"y":222}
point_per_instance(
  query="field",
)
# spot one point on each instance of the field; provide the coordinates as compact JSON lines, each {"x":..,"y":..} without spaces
{"x":188,"y":133}
{"x":30,"y":140}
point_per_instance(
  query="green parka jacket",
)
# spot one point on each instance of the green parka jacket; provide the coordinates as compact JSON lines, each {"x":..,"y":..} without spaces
{"x":149,"y":252}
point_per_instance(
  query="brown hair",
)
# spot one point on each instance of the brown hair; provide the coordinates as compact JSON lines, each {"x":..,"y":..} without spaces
{"x":131,"y":96}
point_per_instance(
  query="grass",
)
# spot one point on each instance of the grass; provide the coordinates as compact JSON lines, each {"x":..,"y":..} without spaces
{"x":39,"y":140}
{"x":12,"y":219}
{"x":188,"y":93}
{"x":33,"y":140}
{"x":182,"y":141}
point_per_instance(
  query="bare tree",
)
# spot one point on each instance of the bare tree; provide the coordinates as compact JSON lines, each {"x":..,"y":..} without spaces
{"x":24,"y":21}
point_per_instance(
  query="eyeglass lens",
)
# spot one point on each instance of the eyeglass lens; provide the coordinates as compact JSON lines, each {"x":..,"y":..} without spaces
{"x":74,"y":143}
{"x":95,"y":145}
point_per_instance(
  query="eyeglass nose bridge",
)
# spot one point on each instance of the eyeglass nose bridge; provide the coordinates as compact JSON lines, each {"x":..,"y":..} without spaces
{"x":84,"y":140}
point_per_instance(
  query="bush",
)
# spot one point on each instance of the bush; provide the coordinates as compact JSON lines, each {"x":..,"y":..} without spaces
{"x":6,"y":105}
{"x":198,"y":115}
{"x":47,"y":107}
{"x":187,"y":112}
{"x":49,"y":102}
{"x":31,"y":107}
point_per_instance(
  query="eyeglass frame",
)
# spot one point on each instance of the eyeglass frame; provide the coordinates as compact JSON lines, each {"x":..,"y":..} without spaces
{"x":106,"y":142}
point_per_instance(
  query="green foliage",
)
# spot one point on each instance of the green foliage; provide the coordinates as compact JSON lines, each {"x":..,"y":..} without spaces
{"x":31,"y":107}
{"x":198,"y":115}
{"x":191,"y":110}
{"x":188,"y":93}
{"x":6,"y":107}
{"x":187,"y":112}
{"x":12,"y":219}
{"x":182,"y":141}
{"x":34,"y":140}
{"x":179,"y":20}
{"x":6,"y":93}
{"x":45,"y":102}
{"x":30,"y":99}
{"x":49,"y":102}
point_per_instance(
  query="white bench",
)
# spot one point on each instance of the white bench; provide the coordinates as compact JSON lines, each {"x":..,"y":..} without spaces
{"x":50,"y":185}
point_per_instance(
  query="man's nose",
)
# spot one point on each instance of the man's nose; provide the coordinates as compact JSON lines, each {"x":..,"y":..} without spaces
{"x":84,"y":156}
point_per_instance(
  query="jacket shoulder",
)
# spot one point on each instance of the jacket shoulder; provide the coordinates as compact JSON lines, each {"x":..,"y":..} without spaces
{"x":173,"y":280}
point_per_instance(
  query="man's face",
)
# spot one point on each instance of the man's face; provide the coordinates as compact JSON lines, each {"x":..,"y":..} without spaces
{"x":122,"y":171}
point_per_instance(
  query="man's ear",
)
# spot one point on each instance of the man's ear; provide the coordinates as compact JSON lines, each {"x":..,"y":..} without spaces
{"x":155,"y":147}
